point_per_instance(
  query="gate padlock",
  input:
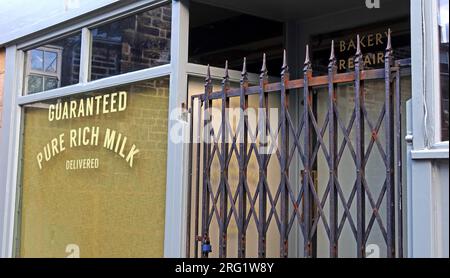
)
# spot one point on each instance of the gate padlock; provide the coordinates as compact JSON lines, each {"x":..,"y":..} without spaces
{"x":206,"y":246}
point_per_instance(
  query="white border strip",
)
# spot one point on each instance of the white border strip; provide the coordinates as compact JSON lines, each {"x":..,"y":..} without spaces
{"x":9,"y":149}
{"x":175,"y":220}
{"x":112,"y":81}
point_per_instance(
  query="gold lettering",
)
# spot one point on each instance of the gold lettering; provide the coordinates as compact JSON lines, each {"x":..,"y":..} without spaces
{"x":361,"y":41}
{"x":81,"y":109}
{"x":351,"y":45}
{"x":109,"y":139}
{"x":79,"y":137}
{"x":89,"y":106}
{"x":113,"y":102}
{"x":85,"y":140}
{"x":122,"y":147}
{"x":341,"y":64}
{"x":61,"y":142}
{"x":122,"y":101}
{"x":58,"y":111}
{"x":102,"y":104}
{"x":54,"y":146}
{"x":51,"y":112}
{"x":73,"y":109}
{"x":370,"y":40}
{"x":342,"y":46}
{"x":105,"y":104}
{"x":97,"y":99}
{"x":47,"y":152}
{"x":368,"y":60}
{"x":73,"y":136}
{"x":378,"y":38}
{"x":131,"y":155}
{"x":380,"y":58}
{"x":351,"y":65}
{"x":39,"y":160}
{"x":65,"y":114}
{"x":119,"y":137}
{"x":94,"y":136}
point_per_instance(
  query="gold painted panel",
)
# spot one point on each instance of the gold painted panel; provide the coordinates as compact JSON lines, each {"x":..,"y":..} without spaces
{"x":107,"y":208}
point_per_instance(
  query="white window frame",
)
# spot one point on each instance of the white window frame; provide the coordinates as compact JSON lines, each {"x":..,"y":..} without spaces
{"x":29,"y":71}
{"x":425,"y":149}
{"x":426,"y":90}
{"x":436,"y":48}
{"x":14,"y":100}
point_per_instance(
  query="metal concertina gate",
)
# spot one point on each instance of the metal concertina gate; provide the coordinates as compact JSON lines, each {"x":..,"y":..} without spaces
{"x":306,"y":205}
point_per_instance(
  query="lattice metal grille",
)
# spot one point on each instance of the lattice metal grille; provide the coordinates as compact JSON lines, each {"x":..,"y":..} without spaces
{"x":295,"y":207}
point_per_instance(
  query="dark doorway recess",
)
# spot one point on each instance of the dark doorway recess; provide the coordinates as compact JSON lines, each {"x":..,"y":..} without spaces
{"x":218,"y":34}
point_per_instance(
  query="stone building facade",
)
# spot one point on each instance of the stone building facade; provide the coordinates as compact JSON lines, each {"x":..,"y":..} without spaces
{"x":138,"y":42}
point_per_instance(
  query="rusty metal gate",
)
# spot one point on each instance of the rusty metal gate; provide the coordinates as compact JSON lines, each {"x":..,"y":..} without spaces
{"x":295,"y":208}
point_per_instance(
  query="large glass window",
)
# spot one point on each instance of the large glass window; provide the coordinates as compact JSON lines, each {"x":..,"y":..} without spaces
{"x":94,"y":174}
{"x":444,"y":69}
{"x":55,"y":64}
{"x":133,"y":43}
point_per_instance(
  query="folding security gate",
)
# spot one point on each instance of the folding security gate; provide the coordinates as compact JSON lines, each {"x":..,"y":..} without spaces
{"x":294,"y":209}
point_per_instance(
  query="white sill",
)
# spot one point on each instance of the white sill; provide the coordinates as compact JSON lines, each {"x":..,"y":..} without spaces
{"x":438,"y":151}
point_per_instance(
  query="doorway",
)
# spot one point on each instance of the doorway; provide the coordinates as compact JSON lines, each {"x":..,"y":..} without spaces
{"x":230,"y":243}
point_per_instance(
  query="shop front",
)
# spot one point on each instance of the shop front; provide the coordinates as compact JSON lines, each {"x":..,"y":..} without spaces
{"x":107,"y":148}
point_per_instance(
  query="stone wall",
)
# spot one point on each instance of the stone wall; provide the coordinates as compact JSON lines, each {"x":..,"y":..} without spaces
{"x":133,"y":43}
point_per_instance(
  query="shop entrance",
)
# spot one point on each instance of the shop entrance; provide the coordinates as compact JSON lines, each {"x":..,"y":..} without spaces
{"x":325,"y":141}
{"x":318,"y":180}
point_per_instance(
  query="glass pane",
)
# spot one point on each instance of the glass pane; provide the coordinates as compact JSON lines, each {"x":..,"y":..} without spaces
{"x":94,"y":174}
{"x":50,"y":59}
{"x":373,"y":46}
{"x":51,"y":83}
{"x":137,"y":42}
{"x":196,"y":87}
{"x":45,"y":60}
{"x":34,"y":84}
{"x":444,"y":53}
{"x":375,"y":171}
{"x":37,"y":59}
{"x":217,"y":34}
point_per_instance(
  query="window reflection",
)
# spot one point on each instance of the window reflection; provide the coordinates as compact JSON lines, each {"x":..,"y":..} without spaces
{"x":133,"y":43}
{"x":37,"y":59}
{"x":53,"y":65}
{"x":443,"y":47}
{"x":50,"y":59}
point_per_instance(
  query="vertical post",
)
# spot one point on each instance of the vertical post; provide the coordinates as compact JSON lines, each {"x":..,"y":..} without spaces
{"x":332,"y":137}
{"x":307,"y":74}
{"x":360,"y":150}
{"x":398,"y":107}
{"x":284,"y":152}
{"x":243,"y":104}
{"x":189,"y":187}
{"x":224,"y":167}
{"x":390,"y":152}
{"x":9,"y":149}
{"x":262,"y":114}
{"x":197,"y":176}
{"x":206,"y":158}
{"x":176,"y":165}
{"x":85,"y":57}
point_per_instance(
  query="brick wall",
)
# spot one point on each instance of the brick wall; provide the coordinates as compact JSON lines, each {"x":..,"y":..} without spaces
{"x":137,"y":42}
{"x":2,"y":75}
